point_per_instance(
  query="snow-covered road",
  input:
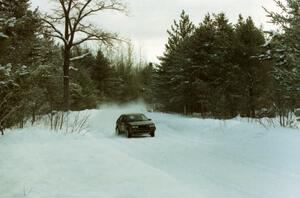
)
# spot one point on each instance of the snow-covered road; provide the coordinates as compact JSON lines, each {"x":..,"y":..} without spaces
{"x":188,"y":158}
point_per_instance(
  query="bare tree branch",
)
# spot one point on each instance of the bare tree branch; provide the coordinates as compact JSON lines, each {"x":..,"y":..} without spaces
{"x":114,"y":5}
{"x":78,"y":20}
{"x":58,"y":32}
{"x":96,"y":35}
{"x":79,"y":57}
{"x":72,"y":14}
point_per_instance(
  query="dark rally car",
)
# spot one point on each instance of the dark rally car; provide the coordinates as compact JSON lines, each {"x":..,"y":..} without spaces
{"x":132,"y":124}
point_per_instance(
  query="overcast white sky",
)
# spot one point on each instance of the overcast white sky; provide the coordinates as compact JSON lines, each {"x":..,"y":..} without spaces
{"x":149,"y":19}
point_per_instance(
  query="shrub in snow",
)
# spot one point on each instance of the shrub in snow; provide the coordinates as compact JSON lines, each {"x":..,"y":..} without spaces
{"x":11,"y":94}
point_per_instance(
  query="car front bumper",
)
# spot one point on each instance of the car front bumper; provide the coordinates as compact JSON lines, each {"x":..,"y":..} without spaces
{"x":142,"y":131}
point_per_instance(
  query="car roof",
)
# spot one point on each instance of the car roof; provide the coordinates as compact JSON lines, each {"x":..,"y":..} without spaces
{"x":129,"y":114}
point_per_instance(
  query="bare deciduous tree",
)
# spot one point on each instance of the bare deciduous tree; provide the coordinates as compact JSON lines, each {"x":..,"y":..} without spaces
{"x":72,"y":15}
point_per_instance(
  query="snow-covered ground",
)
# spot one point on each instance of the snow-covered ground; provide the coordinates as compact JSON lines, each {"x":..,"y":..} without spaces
{"x":188,"y":158}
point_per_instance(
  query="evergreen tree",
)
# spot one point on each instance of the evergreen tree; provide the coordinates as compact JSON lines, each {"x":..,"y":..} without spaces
{"x":283,"y":50}
{"x":212,"y":67}
{"x":253,"y":75}
{"x":21,"y":26}
{"x":169,"y":73}
{"x":101,"y":73}
{"x":145,"y":79}
{"x":197,"y":57}
{"x":14,"y":82}
{"x":222,"y":70}
{"x":83,"y":92}
{"x":46,"y":78}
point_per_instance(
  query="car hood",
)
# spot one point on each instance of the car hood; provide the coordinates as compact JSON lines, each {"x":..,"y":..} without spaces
{"x":141,"y":123}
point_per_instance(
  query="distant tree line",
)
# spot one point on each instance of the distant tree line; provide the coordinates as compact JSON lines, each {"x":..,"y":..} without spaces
{"x":219,"y":69}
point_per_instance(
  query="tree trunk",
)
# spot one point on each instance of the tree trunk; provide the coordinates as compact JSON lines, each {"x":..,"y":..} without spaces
{"x":2,"y":131}
{"x":33,"y":116}
{"x":66,"y":78}
{"x":251,"y":105}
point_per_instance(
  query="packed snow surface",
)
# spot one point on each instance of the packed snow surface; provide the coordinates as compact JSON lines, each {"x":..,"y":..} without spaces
{"x":189,"y":157}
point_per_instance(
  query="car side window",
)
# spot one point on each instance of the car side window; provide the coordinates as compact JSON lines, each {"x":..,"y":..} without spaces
{"x":120,"y":119}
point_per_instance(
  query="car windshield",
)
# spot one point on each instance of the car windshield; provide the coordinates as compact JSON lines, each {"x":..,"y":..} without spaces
{"x":137,"y":117}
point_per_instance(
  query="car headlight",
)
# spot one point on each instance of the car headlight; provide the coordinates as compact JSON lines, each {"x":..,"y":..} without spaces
{"x":135,"y":127}
{"x":152,"y":125}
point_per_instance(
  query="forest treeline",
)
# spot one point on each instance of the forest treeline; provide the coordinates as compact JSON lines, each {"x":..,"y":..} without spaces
{"x":214,"y":68}
{"x":220,"y":69}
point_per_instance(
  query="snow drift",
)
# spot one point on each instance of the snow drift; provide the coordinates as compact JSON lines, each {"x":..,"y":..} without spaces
{"x":189,"y":157}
